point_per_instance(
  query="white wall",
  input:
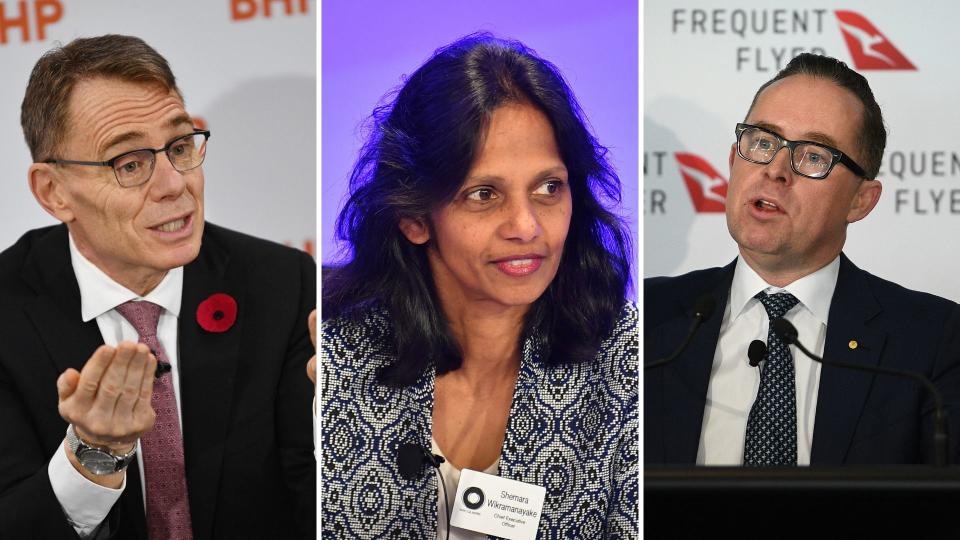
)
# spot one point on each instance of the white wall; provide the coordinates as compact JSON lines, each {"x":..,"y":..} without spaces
{"x":250,"y":76}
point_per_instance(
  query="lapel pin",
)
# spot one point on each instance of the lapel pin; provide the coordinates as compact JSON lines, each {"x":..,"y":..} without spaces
{"x":853,"y":344}
{"x":217,"y":313}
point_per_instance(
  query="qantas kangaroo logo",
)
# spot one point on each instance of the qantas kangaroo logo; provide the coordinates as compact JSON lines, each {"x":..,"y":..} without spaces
{"x":708,"y":190}
{"x":869,"y":48}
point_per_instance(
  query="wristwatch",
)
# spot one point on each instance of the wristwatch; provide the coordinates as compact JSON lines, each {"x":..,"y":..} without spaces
{"x":99,"y":461}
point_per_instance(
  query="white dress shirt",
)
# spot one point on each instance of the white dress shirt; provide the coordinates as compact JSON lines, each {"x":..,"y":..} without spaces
{"x":451,"y":479}
{"x":734,"y":384}
{"x":85,"y":503}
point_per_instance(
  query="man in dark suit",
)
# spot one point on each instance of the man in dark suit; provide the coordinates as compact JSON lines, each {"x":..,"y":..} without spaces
{"x":151,"y":365}
{"x":803,"y":167}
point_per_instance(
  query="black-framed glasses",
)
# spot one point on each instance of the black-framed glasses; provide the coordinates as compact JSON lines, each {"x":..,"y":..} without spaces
{"x":807,"y":158}
{"x":135,"y":168}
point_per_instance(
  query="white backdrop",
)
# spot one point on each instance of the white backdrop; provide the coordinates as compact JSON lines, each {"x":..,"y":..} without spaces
{"x":704,"y":60}
{"x":246,"y":67}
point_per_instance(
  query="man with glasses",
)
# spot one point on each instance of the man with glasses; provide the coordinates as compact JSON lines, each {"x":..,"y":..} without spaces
{"x":803,"y":167}
{"x":151,"y":364}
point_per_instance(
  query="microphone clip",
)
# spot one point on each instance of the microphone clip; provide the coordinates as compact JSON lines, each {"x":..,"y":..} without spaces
{"x":411,"y":457}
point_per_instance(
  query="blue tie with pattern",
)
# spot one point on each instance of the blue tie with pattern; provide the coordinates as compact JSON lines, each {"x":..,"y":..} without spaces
{"x":772,"y":425}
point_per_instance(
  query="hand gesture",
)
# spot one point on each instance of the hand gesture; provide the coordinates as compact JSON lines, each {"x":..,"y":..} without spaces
{"x":108,"y":401}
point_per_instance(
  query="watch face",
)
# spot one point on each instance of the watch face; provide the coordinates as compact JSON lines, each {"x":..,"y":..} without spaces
{"x":97,"y":461}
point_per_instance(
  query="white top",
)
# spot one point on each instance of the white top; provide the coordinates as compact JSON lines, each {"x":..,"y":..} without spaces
{"x":85,"y":503}
{"x":734,"y":384}
{"x":451,"y":478}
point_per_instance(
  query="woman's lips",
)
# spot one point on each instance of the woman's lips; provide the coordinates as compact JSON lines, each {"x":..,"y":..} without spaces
{"x":519,"y":267}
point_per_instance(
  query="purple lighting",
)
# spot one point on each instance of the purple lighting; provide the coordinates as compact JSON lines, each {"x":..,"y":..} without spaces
{"x":369,"y":47}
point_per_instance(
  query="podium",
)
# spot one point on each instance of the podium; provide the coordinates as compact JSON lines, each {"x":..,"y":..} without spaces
{"x":909,"y":502}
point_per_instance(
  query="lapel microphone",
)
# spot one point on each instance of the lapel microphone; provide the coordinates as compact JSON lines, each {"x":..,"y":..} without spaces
{"x":162,"y":367}
{"x":756,"y":352}
{"x":788,"y":333}
{"x":702,"y":310}
{"x":411,"y":458}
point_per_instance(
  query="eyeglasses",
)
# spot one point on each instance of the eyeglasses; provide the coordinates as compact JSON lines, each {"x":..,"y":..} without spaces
{"x":136,"y":167}
{"x":807,"y":158}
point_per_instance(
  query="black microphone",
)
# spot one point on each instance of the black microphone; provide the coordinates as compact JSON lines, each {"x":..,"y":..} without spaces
{"x":410,"y":460}
{"x":756,"y":352}
{"x":411,"y":457}
{"x":162,"y":367}
{"x":788,"y":333}
{"x":702,"y":310}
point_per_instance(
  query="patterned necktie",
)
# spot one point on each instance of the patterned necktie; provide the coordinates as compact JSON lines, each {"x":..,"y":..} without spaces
{"x":772,"y":425}
{"x":168,"y":507}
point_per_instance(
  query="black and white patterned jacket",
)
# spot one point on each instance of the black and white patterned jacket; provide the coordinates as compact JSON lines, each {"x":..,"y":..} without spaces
{"x":572,"y":429}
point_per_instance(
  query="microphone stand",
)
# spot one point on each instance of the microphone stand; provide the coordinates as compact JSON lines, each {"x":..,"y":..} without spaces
{"x":701,"y":312}
{"x":788,"y":333}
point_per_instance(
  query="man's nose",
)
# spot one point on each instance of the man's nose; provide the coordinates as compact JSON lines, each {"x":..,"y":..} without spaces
{"x":780,"y":167}
{"x":166,"y":182}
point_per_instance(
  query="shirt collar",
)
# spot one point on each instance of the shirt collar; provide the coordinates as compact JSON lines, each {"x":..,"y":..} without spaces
{"x":99,"y":293}
{"x":814,"y":291}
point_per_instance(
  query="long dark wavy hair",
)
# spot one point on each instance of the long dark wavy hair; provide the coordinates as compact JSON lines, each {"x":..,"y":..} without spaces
{"x":421,"y":146}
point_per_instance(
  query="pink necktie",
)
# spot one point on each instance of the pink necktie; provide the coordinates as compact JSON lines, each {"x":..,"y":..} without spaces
{"x":168,"y":506}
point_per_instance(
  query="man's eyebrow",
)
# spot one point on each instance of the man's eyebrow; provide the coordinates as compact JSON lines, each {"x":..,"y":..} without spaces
{"x":768,"y":127}
{"x":178,"y":120}
{"x":814,"y":136}
{"x":819,"y":137}
{"x":122,"y":138}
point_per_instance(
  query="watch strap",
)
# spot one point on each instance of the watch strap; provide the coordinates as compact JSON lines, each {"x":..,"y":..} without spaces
{"x":77,"y":446}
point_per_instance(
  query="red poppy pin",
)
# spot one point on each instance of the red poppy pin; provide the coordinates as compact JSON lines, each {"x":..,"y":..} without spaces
{"x":217,"y":313}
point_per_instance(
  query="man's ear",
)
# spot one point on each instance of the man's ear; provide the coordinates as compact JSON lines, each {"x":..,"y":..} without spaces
{"x":864,"y":200}
{"x":49,"y":191}
{"x":415,"y":230}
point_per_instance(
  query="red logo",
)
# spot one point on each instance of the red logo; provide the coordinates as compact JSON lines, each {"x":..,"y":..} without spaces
{"x":708,"y":190}
{"x":42,"y":14}
{"x":869,"y":48}
{"x":242,"y":10}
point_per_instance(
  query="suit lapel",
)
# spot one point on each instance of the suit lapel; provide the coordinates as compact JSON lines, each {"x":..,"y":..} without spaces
{"x":686,"y":379}
{"x":208,"y":363}
{"x":56,"y":310}
{"x":843,"y":392}
{"x":69,"y":342}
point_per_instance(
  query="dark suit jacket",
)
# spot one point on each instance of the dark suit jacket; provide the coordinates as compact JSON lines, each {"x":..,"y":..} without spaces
{"x":861,"y":418}
{"x":245,"y":397}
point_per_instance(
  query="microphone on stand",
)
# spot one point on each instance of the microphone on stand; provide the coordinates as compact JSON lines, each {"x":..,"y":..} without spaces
{"x":702,"y":310}
{"x":788,"y":333}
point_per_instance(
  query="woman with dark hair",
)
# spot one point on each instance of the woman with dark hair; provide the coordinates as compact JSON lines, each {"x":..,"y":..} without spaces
{"x":481,"y":316}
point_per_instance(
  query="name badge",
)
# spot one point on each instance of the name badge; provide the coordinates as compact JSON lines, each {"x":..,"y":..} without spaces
{"x":498,"y":506}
